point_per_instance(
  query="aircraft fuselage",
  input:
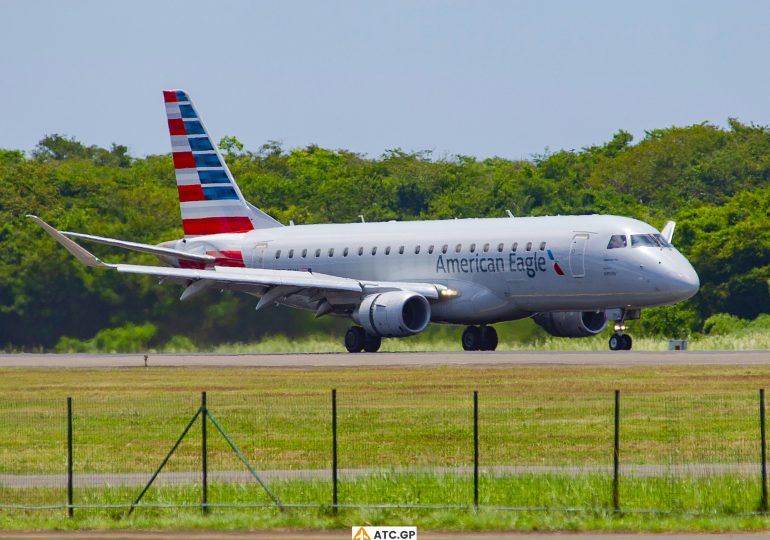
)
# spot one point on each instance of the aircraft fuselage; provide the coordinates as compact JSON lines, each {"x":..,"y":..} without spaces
{"x":502,"y":268}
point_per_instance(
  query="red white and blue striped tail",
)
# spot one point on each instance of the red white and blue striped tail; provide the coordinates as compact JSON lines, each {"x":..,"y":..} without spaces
{"x":210,"y":200}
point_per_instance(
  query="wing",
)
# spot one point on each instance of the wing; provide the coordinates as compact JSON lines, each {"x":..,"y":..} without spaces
{"x":315,"y":290}
{"x":135,"y":246}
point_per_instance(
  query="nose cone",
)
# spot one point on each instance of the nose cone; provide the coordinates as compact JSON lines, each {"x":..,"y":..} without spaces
{"x":685,"y":280}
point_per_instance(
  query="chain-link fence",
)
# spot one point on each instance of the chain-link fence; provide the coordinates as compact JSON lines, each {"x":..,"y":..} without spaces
{"x":434,"y":448}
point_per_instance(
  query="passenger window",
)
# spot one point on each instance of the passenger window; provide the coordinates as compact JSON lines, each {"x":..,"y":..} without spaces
{"x":542,"y":246}
{"x":473,"y":248}
{"x":360,"y":251}
{"x":345,"y":252}
{"x":401,"y":250}
{"x":458,"y":248}
{"x":500,"y":247}
{"x":444,"y":248}
{"x":617,"y":241}
{"x":318,"y":253}
{"x":374,"y":250}
{"x":643,"y":240}
{"x":515,"y":246}
{"x":291,"y":253}
{"x":486,"y":247}
{"x":387,"y":250}
{"x":278,"y":254}
{"x":529,"y":246}
{"x":416,"y":249}
{"x":331,"y":252}
{"x":430,"y":249}
{"x":304,"y":253}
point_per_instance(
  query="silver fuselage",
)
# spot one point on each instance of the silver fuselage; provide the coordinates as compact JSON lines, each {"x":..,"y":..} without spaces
{"x":503,"y":269}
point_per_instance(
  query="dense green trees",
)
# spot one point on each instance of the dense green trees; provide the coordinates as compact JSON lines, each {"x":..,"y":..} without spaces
{"x":714,"y":182}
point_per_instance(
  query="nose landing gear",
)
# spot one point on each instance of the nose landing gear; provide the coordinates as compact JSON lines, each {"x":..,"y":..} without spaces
{"x":620,"y":342}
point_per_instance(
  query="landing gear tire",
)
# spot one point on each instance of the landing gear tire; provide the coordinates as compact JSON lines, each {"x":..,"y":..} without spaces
{"x":471,"y":338}
{"x":620,"y":342}
{"x":627,"y":342}
{"x":488,"y":338}
{"x":372,"y":343}
{"x":355,"y":338}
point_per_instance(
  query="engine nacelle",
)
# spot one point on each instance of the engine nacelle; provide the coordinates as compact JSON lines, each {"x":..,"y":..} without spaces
{"x":572,"y":323}
{"x":394,"y":314}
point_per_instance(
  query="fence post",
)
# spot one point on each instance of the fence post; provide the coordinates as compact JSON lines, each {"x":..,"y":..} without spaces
{"x":334,"y":449}
{"x":616,"y":456}
{"x":204,"y":454}
{"x":476,"y":449}
{"x":763,"y":506}
{"x":70,"y":509}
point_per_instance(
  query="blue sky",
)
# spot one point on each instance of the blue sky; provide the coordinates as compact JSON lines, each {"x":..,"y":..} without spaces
{"x":476,"y":78}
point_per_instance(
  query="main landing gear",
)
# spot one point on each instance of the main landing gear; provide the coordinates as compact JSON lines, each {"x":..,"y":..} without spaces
{"x":357,"y":340}
{"x":620,"y":342}
{"x":477,"y":338}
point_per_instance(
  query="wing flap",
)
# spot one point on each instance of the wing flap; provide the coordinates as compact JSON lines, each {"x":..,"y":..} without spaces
{"x":262,"y":277}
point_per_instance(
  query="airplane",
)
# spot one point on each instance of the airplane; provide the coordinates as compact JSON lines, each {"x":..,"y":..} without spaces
{"x":570,"y":274}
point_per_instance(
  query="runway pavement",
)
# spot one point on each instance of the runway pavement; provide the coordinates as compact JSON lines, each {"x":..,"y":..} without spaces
{"x":327,"y":360}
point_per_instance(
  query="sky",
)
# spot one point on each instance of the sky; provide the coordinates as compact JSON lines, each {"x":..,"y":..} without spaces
{"x":482,"y":78}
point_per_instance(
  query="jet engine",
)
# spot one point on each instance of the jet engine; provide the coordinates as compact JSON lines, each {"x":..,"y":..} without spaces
{"x":394,"y":314}
{"x":572,"y":323}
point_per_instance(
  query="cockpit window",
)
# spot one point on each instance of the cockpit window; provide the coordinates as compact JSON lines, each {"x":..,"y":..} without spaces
{"x":617,"y":241}
{"x":643,"y":240}
{"x":662,"y":241}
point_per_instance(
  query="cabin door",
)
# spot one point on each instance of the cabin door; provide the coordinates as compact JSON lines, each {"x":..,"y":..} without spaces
{"x":577,"y":255}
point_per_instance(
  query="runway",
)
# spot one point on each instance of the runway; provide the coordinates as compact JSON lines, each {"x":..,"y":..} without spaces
{"x":618,"y":359}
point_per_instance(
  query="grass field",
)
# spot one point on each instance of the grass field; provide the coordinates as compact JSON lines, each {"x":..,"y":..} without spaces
{"x":391,"y":420}
{"x":446,"y":340}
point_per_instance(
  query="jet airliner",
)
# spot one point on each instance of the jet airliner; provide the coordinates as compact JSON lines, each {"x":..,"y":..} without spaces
{"x":571,"y":274}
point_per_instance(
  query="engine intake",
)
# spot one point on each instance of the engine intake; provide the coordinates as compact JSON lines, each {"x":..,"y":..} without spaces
{"x":572,"y":323}
{"x":394,"y":314}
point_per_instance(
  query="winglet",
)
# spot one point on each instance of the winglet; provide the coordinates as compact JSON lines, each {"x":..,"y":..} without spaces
{"x":668,"y":231}
{"x":80,"y":253}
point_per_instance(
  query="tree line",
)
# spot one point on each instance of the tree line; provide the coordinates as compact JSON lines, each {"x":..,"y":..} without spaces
{"x":715,"y":182}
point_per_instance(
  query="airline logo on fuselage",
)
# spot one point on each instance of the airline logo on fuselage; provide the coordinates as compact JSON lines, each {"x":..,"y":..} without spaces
{"x":530,"y":264}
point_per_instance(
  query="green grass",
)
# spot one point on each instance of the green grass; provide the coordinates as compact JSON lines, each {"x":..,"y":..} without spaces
{"x":125,"y":420}
{"x":580,"y":503}
{"x":522,"y":335}
{"x":753,"y":340}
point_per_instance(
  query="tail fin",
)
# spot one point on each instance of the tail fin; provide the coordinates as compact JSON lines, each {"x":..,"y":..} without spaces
{"x":209,"y":198}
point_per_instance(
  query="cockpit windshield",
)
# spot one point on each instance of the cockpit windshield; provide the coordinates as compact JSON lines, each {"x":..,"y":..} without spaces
{"x":617,"y":241}
{"x":662,"y":241}
{"x":644,"y":240}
